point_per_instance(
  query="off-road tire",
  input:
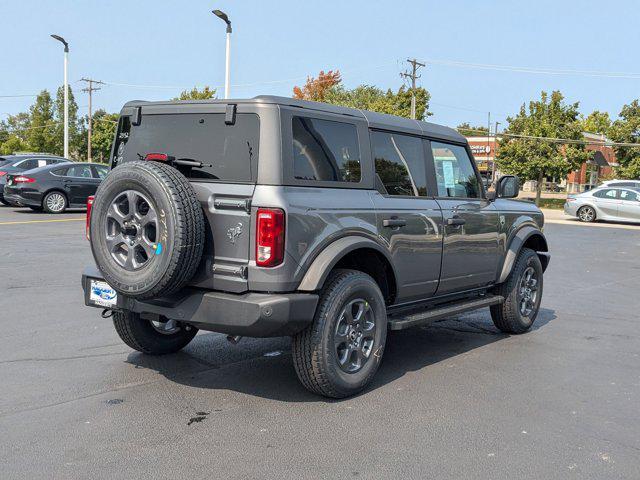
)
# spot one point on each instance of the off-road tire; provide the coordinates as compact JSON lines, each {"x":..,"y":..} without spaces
{"x":181,"y":233}
{"x":584,"y":217}
{"x":507,"y":316}
{"x":140,"y":335}
{"x":314,"y":354}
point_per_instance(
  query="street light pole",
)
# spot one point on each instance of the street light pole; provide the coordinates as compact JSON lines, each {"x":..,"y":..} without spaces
{"x":227,"y":75}
{"x":66,"y":94}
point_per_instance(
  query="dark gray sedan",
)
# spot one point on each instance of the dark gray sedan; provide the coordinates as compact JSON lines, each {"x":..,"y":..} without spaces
{"x":22,"y":162}
{"x":55,"y":188}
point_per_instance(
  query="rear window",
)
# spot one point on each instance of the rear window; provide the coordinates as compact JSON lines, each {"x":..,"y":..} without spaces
{"x":324,"y":150}
{"x":229,"y":152}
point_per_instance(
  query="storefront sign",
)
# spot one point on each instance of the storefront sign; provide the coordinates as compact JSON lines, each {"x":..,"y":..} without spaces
{"x":480,"y":149}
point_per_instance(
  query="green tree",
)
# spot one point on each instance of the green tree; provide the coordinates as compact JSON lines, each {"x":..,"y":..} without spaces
{"x":40,"y":135}
{"x":466,"y":129}
{"x":369,"y":97}
{"x":596,"y":122}
{"x":104,"y":129}
{"x":13,"y":132}
{"x":534,"y":159}
{"x":327,"y":87}
{"x":627,"y":130}
{"x":194,"y":94}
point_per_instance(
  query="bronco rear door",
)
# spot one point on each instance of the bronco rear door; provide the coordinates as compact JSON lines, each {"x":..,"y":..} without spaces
{"x":224,"y":138}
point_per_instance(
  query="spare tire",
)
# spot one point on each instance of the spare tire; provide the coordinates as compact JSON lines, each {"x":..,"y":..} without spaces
{"x":147,"y":229}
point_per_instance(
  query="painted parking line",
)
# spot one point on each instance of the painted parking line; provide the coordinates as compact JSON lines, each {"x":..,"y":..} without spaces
{"x":56,"y":220}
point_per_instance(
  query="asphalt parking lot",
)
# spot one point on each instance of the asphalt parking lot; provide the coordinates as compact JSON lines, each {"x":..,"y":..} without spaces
{"x":452,"y":400}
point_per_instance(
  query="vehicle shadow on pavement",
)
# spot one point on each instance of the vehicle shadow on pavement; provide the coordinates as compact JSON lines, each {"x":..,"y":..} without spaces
{"x":263,"y":367}
{"x":28,"y":211}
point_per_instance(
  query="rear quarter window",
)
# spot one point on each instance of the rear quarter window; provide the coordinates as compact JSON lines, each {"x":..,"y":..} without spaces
{"x":325,"y":150}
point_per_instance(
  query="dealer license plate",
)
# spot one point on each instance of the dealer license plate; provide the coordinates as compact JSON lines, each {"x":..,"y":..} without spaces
{"x":101,"y":294}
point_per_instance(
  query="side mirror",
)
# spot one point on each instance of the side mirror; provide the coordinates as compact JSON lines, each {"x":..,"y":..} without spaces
{"x":507,"y":187}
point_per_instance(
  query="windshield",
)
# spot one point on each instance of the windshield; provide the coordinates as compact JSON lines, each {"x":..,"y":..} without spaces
{"x":228,"y":152}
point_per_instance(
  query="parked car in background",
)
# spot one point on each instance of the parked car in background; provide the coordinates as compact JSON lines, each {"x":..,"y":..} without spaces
{"x":621,"y":183}
{"x":605,"y":203}
{"x":19,"y":163}
{"x":54,"y":188}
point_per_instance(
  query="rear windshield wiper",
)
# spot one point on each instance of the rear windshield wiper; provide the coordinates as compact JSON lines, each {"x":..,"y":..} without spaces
{"x":183,"y":162}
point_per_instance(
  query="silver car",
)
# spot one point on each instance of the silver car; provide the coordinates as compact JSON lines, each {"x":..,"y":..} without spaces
{"x":605,"y":203}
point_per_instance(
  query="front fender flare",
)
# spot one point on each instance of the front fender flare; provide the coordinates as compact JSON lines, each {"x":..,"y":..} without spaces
{"x":322,"y":265}
{"x":515,"y":245}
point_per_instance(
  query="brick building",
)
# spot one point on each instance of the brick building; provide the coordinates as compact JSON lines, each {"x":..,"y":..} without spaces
{"x":589,"y":174}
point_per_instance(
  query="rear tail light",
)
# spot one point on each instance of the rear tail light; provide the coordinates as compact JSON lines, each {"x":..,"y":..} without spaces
{"x":269,"y":237}
{"x":2,"y":174}
{"x":89,"y":207}
{"x":22,"y":179}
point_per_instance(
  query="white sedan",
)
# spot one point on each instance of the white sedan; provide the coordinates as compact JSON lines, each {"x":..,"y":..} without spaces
{"x":605,"y":203}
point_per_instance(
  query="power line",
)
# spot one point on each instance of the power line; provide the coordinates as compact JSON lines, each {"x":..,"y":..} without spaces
{"x":535,"y":70}
{"x":606,"y":143}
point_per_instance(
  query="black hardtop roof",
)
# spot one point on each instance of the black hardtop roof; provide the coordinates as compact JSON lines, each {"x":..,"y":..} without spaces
{"x":374,"y":119}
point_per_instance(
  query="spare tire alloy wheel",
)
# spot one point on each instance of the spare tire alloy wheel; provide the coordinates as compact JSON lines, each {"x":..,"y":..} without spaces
{"x":147,"y":230}
{"x":132,"y":230}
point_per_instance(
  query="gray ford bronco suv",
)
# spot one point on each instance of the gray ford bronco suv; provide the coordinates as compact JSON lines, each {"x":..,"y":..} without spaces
{"x":279,"y":217}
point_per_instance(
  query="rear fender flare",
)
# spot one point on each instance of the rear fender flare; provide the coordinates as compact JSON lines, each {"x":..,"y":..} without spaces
{"x":322,"y":265}
{"x":516,"y":244}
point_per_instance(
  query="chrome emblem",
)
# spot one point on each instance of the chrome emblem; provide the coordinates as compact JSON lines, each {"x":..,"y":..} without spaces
{"x":234,"y":232}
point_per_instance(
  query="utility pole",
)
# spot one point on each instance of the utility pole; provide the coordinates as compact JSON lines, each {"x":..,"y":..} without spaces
{"x":90,"y":89}
{"x":413,"y":75}
{"x":495,"y":149}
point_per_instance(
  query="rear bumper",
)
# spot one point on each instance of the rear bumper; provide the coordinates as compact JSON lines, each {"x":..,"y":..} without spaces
{"x":17,"y":196}
{"x":249,"y":314}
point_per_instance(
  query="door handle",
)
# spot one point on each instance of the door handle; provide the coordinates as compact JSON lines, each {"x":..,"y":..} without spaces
{"x":456,"y":221}
{"x":394,"y":222}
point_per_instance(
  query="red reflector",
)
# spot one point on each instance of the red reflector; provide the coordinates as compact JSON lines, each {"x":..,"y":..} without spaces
{"x":21,"y":179}
{"x":89,"y":207}
{"x":158,"y":157}
{"x":269,"y":237}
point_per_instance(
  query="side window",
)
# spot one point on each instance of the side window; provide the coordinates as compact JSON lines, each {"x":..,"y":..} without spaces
{"x":28,"y":164}
{"x":325,"y":150}
{"x":400,"y":163}
{"x":61,"y":172}
{"x":454,"y":171}
{"x":100,"y":172}
{"x":611,"y":194}
{"x":83,"y":171}
{"x":628,"y":195}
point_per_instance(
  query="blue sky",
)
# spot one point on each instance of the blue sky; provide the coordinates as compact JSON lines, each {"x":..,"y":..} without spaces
{"x":276,"y":45}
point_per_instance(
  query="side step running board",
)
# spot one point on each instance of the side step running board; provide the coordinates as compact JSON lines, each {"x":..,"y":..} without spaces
{"x":442,"y":311}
